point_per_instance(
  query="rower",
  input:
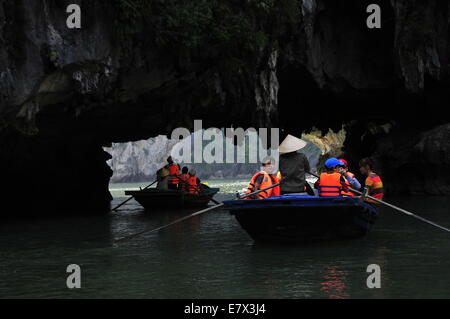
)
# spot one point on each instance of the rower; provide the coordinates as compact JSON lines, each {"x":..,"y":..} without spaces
{"x":373,"y":181}
{"x":293,"y":166}
{"x":331,"y":183}
{"x":350,"y":179}
{"x":174,"y":172}
{"x":264,"y":179}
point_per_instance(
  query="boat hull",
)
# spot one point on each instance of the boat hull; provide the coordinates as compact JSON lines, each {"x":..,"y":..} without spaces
{"x":305,"y":219}
{"x":153,"y":199}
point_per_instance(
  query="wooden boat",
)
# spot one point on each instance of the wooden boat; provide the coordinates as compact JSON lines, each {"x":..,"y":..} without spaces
{"x":302,"y":218}
{"x":153,"y":198}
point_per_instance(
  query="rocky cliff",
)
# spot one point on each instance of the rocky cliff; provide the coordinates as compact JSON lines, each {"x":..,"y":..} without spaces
{"x":137,"y":69}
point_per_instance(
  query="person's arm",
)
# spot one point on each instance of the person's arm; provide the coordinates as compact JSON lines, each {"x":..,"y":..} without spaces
{"x":343,"y":184}
{"x":353,"y":182}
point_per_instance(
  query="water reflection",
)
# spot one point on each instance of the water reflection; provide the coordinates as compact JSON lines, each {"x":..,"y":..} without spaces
{"x":211,"y":256}
{"x":335,"y":283}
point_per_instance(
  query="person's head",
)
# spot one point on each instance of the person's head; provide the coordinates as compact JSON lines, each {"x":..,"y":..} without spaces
{"x":332,"y":165}
{"x":344,"y":165}
{"x":192,"y":172}
{"x":366,"y":165}
{"x":170,"y":160}
{"x":184,"y":170}
{"x":268,"y":165}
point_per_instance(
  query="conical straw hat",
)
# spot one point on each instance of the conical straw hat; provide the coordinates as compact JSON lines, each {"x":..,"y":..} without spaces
{"x":291,"y":144}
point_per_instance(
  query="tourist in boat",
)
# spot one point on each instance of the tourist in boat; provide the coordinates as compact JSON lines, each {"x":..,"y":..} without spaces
{"x":293,"y":167}
{"x":162,"y":176}
{"x":174,"y":172}
{"x":193,"y":183}
{"x":331,"y":183}
{"x":373,"y":181}
{"x":184,"y":177}
{"x":350,"y":179}
{"x":264,"y":179}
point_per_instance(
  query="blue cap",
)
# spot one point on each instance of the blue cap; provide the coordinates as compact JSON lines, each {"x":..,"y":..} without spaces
{"x":333,"y":162}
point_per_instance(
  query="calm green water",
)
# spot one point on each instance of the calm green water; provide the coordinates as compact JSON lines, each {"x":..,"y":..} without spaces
{"x":212,"y":257}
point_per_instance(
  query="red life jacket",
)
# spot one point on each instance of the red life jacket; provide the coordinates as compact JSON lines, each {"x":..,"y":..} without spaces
{"x":330,"y":184}
{"x":174,"y":170}
{"x":347,"y":185}
{"x":184,"y":181}
{"x":267,"y":181}
{"x":192,"y":185}
{"x":347,"y":192}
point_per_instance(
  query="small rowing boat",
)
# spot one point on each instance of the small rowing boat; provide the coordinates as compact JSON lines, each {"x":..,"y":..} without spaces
{"x":302,"y":218}
{"x":153,"y":198}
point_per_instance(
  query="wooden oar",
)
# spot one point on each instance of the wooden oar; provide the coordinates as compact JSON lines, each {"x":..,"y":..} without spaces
{"x":118,"y":206}
{"x":395,"y":207}
{"x":187,"y":217}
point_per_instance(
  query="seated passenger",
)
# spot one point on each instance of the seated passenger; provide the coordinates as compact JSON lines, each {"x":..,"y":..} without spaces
{"x":350,"y":179}
{"x":264,"y":179}
{"x":331,"y":183}
{"x":184,"y":177}
{"x":193,"y":183}
{"x":162,"y":177}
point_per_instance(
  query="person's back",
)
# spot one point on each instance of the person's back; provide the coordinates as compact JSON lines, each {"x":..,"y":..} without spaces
{"x":293,"y":167}
{"x":163,"y":179}
{"x":184,"y":178}
{"x":193,"y":183}
{"x":330,"y":184}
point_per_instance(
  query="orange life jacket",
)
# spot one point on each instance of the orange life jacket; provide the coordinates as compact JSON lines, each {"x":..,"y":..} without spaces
{"x":347,"y":192}
{"x":276,"y":190}
{"x":184,"y":181}
{"x":330,"y":184}
{"x":267,"y":181}
{"x":347,"y":184}
{"x":192,"y":185}
{"x":174,"y":170}
{"x":375,"y":185}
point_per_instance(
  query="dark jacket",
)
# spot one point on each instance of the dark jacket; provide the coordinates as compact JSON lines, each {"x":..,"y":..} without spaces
{"x":293,"y":167}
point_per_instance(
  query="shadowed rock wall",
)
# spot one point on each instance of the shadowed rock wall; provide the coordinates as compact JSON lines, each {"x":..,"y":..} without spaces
{"x":133,"y":72}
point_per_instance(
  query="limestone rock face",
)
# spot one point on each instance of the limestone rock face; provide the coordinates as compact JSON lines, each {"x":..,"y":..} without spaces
{"x":414,"y":164}
{"x":139,"y":69}
{"x":412,"y":44}
{"x":139,"y":161}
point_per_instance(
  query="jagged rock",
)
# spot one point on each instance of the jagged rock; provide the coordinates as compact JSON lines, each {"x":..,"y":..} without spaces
{"x":416,"y":164}
{"x":130,"y":74}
